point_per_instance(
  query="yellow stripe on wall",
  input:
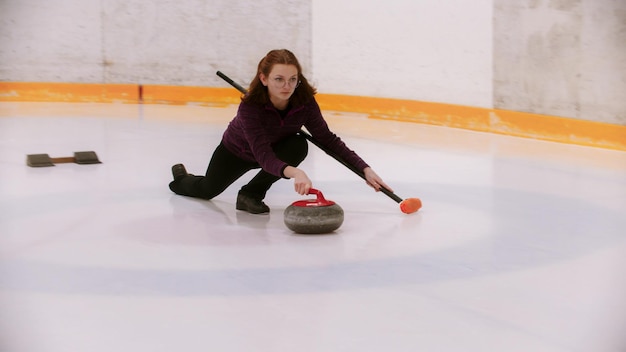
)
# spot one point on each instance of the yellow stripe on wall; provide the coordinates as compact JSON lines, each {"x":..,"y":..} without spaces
{"x":521,"y":124}
{"x":513,"y":123}
{"x":68,"y":92}
{"x":155,"y":94}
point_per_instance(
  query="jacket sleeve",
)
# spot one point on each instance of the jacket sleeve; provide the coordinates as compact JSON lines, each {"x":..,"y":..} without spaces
{"x":320,"y":131}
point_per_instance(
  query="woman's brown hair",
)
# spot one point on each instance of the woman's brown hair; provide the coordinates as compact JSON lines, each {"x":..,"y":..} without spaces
{"x":257,"y":93}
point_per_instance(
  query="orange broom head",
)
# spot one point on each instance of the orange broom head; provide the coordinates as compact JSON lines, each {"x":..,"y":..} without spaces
{"x":410,"y":205}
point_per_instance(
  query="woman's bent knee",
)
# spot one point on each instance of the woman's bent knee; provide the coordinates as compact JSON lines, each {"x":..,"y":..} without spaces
{"x":292,"y":150}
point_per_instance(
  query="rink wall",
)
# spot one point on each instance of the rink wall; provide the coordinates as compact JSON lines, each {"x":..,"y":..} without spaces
{"x":542,"y":60}
{"x":513,"y":123}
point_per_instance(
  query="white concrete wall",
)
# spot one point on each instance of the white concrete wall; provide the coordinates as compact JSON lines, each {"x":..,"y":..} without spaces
{"x":560,"y":57}
{"x":430,"y":50}
{"x":177,"y":42}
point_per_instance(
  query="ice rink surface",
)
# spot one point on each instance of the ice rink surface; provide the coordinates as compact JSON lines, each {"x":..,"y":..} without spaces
{"x":520,"y":244}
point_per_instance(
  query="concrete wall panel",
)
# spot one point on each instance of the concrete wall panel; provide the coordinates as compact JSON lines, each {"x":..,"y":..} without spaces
{"x":564,"y":58}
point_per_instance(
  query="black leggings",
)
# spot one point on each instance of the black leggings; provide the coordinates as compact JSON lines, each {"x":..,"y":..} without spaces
{"x":225,"y":168}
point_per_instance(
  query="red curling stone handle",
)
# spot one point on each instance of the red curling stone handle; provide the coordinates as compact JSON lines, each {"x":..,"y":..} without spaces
{"x":319,"y":202}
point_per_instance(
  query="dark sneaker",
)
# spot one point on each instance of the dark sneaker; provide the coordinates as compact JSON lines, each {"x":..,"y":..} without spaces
{"x":251,"y":205}
{"x":179,"y":171}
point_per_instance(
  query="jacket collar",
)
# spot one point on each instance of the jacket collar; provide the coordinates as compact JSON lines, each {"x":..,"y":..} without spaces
{"x":269,"y":106}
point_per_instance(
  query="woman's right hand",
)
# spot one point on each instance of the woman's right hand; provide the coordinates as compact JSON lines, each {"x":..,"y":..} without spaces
{"x":301,"y":182}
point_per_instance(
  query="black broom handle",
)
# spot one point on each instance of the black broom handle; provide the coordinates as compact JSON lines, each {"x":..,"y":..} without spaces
{"x":232,"y":83}
{"x":319,"y":145}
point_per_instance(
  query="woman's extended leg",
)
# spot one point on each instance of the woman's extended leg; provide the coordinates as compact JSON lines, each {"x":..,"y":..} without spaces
{"x":224,"y":169}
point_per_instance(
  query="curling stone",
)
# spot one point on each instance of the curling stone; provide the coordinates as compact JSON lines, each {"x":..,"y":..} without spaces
{"x":313,"y":216}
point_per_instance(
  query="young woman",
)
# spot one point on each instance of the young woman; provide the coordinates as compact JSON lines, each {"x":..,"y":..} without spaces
{"x":264,"y":134}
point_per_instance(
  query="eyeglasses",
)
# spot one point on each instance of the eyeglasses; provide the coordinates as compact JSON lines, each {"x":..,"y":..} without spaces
{"x":291,"y":82}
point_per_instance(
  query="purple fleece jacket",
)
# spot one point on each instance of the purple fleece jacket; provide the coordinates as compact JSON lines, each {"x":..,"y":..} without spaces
{"x":251,"y":134}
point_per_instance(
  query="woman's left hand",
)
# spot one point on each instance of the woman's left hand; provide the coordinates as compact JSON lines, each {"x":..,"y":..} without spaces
{"x":374,"y":181}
